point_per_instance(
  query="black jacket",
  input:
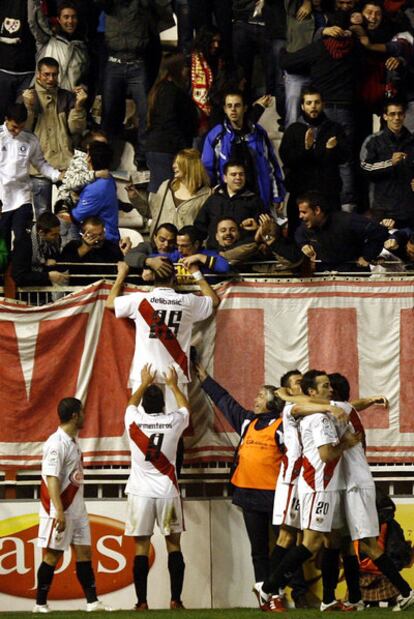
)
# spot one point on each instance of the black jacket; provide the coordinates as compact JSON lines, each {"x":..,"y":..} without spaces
{"x":242,"y":205}
{"x":333,"y":69}
{"x":318,"y":167}
{"x":392,"y":184}
{"x":342,"y":239}
{"x":173,"y":120}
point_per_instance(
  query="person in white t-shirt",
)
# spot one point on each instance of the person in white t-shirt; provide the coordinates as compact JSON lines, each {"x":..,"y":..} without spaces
{"x":319,"y":484}
{"x":63,"y":518}
{"x":152,"y":488}
{"x":19,"y":149}
{"x":163,"y":320}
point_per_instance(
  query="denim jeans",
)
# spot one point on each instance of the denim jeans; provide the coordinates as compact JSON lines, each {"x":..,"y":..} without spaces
{"x":11,"y":86}
{"x":249,"y":40}
{"x":344,"y":116}
{"x":19,"y":221}
{"x":275,"y":82}
{"x":120,"y":81}
{"x":294,"y":84}
{"x":184,"y":26}
{"x":42,"y":195}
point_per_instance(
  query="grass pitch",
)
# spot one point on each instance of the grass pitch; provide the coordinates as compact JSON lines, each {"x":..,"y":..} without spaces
{"x":234,"y":613}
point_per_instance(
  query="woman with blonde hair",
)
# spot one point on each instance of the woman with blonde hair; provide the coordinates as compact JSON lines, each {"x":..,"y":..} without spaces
{"x":178,"y":200}
{"x":172,"y":119}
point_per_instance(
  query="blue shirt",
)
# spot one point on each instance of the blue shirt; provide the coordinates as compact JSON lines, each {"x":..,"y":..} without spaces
{"x":99,"y":199}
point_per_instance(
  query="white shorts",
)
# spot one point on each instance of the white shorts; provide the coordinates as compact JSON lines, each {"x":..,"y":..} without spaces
{"x":361,"y":513}
{"x":143,"y":512}
{"x":286,"y":506}
{"x":77,"y":532}
{"x":321,"y":511}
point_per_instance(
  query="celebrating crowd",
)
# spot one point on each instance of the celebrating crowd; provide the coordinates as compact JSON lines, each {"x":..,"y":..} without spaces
{"x":332,"y":195}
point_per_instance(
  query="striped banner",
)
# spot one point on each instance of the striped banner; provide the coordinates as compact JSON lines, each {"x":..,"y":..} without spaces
{"x":74,"y":347}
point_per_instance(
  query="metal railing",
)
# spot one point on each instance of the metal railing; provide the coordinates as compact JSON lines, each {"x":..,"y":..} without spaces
{"x":208,"y":481}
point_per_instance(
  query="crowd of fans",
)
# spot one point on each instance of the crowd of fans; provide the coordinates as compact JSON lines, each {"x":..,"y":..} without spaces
{"x":333,"y":196}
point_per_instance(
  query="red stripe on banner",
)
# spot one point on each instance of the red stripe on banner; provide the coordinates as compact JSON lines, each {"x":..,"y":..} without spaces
{"x":57,"y":355}
{"x":333,"y":346}
{"x":239,"y":357}
{"x":406,"y":370}
{"x":332,"y":342}
{"x":161,"y":462}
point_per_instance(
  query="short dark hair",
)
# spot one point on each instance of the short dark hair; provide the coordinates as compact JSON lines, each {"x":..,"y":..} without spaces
{"x":309,"y":90}
{"x":227,"y":219}
{"x":153,"y":400}
{"x":48,"y":61}
{"x":66,"y":4}
{"x":284,"y":380}
{"x":340,"y":386}
{"x":398,"y":102}
{"x":101,"y":155}
{"x":16,"y":112}
{"x":309,"y":380}
{"x":190,"y":231}
{"x":93,"y":221}
{"x":232,"y":164}
{"x":47,"y":221}
{"x":67,"y":408}
{"x":314,"y":199}
{"x":234,"y":92}
{"x":170,"y":227}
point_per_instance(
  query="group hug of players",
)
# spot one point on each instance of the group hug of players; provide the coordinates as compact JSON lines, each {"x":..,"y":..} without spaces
{"x":325,"y":490}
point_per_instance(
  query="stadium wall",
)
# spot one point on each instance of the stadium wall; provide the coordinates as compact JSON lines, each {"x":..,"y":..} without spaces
{"x":218,"y":574}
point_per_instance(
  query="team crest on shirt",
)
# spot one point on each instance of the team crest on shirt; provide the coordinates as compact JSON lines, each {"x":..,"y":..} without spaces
{"x":22,"y":148}
{"x":11,"y":25}
{"x":76,"y":477}
{"x":319,"y":520}
{"x":52,"y":457}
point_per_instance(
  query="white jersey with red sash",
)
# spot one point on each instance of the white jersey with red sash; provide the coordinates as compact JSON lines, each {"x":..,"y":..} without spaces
{"x":62,"y":458}
{"x":354,"y":461}
{"x":292,"y":457}
{"x":317,"y":430}
{"x":153,"y":443}
{"x":163,"y":320}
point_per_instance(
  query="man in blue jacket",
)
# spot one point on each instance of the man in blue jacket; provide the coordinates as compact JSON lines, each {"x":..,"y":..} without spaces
{"x":238,"y":139}
{"x":99,"y":199}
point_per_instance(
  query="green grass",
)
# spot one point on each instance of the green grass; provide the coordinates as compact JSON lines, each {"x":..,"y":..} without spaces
{"x":233,"y":613}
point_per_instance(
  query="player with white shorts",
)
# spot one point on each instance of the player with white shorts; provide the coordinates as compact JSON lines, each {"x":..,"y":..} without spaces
{"x":152,"y":488}
{"x":286,"y":506}
{"x":63,"y":520}
{"x":359,"y":498}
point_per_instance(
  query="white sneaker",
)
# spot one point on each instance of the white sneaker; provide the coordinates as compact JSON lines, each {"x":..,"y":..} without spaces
{"x":335,"y":605}
{"x":262,"y":597}
{"x":41,"y":608}
{"x":97,"y":606}
{"x":403,"y":603}
{"x":355,"y":605}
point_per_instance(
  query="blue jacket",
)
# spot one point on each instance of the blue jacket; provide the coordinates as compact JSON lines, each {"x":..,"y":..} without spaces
{"x":217,"y":151}
{"x":216,"y":264}
{"x":99,"y":199}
